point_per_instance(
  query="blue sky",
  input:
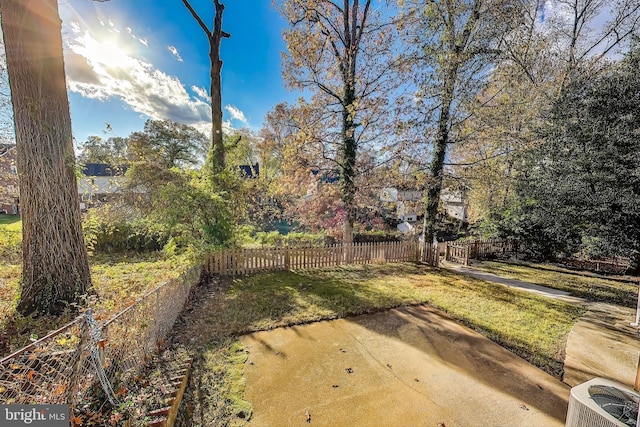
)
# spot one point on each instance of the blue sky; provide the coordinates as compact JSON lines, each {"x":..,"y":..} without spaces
{"x":130,"y":60}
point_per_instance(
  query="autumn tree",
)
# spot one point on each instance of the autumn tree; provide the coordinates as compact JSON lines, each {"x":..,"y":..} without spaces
{"x":342,"y":51}
{"x":55,"y":264}
{"x":555,"y":44}
{"x":578,"y":41}
{"x":214,"y":36}
{"x":502,"y":122}
{"x":451,"y":47}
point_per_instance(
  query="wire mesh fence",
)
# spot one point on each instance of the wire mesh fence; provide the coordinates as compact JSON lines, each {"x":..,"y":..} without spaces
{"x":85,"y":361}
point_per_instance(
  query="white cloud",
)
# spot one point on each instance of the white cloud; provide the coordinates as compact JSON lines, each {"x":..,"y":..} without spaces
{"x":201,"y":92}
{"x":141,"y":40}
{"x":175,"y":52}
{"x":236,"y":114}
{"x":75,"y":27}
{"x":102,"y":70}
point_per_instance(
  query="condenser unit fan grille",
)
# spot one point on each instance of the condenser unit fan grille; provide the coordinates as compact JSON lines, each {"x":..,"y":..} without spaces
{"x":616,"y":403}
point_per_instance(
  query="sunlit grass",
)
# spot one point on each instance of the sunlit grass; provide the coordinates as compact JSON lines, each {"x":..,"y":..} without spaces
{"x":531,"y":325}
{"x":590,"y":288}
{"x":10,"y":222}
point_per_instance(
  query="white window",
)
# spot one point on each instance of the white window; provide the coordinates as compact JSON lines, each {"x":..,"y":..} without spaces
{"x":11,"y":189}
{"x":14,"y":169}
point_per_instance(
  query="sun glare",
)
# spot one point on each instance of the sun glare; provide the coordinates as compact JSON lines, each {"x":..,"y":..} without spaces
{"x":107,"y":52}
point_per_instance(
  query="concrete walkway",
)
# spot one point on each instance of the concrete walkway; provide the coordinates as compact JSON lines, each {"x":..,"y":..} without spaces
{"x":512,"y":283}
{"x":601,"y":344}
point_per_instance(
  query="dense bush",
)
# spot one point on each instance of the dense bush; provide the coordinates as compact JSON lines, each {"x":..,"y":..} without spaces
{"x":104,"y":234}
{"x":374,"y":237}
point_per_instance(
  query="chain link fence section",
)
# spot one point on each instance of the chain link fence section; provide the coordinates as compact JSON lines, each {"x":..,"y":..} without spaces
{"x":44,"y":371}
{"x":85,"y":361}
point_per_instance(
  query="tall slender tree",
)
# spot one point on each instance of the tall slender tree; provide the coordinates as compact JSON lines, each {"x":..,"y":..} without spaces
{"x":342,"y":51}
{"x":55,"y":264}
{"x":451,"y":46}
{"x":214,"y":36}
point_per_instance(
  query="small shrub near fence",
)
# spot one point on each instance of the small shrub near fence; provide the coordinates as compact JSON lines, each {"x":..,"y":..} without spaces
{"x":84,"y":361}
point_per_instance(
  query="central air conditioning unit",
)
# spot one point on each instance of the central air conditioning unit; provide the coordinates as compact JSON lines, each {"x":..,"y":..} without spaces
{"x":602,"y":403}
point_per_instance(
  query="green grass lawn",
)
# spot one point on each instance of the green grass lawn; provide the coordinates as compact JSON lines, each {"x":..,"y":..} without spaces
{"x":584,"y":286}
{"x":532,"y":326}
{"x":118,"y":280}
{"x":10,"y":222}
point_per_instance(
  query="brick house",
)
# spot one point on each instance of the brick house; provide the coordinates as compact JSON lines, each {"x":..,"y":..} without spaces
{"x":9,"y":189}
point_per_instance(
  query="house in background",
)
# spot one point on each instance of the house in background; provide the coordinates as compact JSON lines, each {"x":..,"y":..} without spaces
{"x":9,"y":188}
{"x":454,"y":204}
{"x":100,"y":183}
{"x":406,"y":202}
{"x":408,"y":205}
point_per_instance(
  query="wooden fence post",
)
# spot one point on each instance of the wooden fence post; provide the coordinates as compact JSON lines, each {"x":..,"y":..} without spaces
{"x":287,"y":260}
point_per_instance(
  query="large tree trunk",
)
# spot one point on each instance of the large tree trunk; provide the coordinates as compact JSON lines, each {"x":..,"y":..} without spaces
{"x":349,"y":144}
{"x":217,"y":142}
{"x":434,"y":184}
{"x":55,"y":265}
{"x":347,"y":173}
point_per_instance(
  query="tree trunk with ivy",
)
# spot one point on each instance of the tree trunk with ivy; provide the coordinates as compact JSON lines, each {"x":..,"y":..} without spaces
{"x":55,"y":264}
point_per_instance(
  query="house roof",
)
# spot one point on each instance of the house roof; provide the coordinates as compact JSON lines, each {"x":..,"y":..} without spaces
{"x":250,"y":171}
{"x":104,"y":169}
{"x":327,"y":176}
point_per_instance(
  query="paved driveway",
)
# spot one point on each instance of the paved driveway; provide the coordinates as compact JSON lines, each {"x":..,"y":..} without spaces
{"x":412,"y":366}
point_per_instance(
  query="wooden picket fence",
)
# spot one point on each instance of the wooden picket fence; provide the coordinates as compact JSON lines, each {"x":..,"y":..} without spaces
{"x":247,"y":261}
{"x":613,"y":265}
{"x":462,"y":252}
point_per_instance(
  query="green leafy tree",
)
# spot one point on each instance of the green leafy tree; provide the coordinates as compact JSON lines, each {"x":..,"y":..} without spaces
{"x":168,"y":144}
{"x":113,"y":150}
{"x":582,"y":188}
